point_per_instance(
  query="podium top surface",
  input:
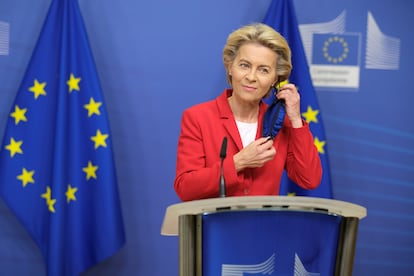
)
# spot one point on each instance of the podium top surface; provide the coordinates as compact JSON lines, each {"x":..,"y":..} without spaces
{"x":293,"y":203}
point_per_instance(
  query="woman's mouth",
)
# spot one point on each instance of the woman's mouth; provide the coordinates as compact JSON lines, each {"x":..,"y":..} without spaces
{"x":249,"y":88}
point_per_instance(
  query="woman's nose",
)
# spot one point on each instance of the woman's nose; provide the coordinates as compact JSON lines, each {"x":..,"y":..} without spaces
{"x":251,"y":75}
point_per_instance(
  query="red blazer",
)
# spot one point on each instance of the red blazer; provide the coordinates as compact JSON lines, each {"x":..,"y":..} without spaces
{"x":198,"y":158}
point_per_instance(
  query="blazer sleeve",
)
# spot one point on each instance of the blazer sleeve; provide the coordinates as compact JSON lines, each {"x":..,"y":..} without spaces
{"x":303,"y":164}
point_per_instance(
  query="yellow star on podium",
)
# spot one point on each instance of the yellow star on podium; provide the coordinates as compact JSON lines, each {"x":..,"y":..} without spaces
{"x":19,"y":114}
{"x":38,"y":89}
{"x":73,"y":83}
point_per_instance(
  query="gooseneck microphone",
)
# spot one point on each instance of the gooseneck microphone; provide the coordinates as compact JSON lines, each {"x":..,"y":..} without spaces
{"x":222,"y":183}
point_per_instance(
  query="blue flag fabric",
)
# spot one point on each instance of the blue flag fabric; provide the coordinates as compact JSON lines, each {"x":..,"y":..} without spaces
{"x":56,"y":165}
{"x":282,"y":17}
{"x":273,"y":118}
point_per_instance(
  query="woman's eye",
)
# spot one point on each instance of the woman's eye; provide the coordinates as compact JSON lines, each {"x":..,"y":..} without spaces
{"x":264,"y":70}
{"x":244,"y":65}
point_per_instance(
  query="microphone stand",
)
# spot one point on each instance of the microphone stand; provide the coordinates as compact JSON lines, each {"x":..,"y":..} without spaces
{"x":223,"y":153}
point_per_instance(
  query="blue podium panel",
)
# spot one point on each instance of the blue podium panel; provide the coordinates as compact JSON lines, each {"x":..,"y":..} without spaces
{"x":274,"y":242}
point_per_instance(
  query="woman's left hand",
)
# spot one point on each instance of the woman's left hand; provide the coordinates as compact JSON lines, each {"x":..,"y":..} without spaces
{"x":289,"y":93}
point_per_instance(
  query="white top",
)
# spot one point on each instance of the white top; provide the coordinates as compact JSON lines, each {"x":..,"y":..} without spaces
{"x":247,"y":132}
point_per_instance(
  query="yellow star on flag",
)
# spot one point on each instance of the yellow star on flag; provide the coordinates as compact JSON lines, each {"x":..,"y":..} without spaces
{"x":48,"y":194}
{"x":311,"y":115}
{"x":93,"y":107}
{"x":19,"y":114}
{"x":70,"y":193}
{"x":14,"y":147}
{"x":49,"y":200}
{"x":319,"y":145}
{"x":26,"y":177}
{"x":73,"y":83}
{"x":90,"y":170}
{"x":51,"y":205}
{"x":99,"y":139}
{"x":38,"y":89}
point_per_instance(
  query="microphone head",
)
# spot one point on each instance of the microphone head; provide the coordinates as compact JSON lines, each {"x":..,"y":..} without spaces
{"x":223,"y":151}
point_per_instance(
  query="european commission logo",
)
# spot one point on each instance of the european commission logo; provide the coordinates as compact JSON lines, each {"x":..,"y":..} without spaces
{"x":335,"y":60}
{"x":265,"y":268}
{"x":336,"y":56}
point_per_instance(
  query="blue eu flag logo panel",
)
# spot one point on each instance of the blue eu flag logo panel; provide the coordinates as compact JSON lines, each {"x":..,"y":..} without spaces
{"x":336,"y":49}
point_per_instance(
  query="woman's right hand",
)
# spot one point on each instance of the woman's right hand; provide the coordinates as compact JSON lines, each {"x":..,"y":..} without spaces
{"x":255,"y":155}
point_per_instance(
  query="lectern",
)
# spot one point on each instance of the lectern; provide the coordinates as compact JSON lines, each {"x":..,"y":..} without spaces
{"x":264,"y":235}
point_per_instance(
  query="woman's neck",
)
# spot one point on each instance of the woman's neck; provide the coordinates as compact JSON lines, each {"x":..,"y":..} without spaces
{"x":244,"y":112}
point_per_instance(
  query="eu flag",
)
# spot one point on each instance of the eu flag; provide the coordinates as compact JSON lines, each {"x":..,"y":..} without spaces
{"x":281,"y":16}
{"x":56,"y":165}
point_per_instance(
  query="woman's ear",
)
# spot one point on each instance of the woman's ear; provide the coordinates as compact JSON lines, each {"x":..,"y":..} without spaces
{"x":276,"y":82}
{"x":229,"y":69}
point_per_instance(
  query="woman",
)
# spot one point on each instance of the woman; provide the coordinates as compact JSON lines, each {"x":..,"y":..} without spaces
{"x":256,"y":59}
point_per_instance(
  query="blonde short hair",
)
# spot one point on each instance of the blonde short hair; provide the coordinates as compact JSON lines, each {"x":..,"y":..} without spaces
{"x":265,"y":36}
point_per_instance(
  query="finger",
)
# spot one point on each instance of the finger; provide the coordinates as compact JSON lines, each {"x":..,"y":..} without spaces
{"x":269,"y":154}
{"x":290,"y":86}
{"x":268,"y":144}
{"x":263,"y":140}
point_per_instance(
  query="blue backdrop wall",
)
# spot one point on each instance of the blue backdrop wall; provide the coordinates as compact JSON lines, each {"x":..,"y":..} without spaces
{"x":156,"y":58}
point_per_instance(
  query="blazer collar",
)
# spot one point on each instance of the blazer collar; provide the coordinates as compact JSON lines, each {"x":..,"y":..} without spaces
{"x":227,"y":118}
